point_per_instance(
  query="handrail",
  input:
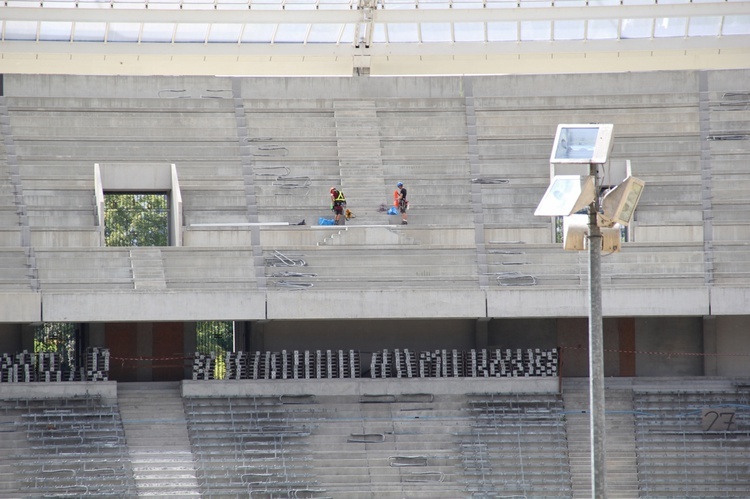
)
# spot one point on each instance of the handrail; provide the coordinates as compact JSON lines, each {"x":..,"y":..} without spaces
{"x":99,"y":195}
{"x":400,"y":461}
{"x":176,"y":208}
{"x":416,"y":474}
{"x":366,"y":438}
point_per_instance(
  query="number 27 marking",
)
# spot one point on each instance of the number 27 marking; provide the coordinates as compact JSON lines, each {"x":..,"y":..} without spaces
{"x":723,"y":420}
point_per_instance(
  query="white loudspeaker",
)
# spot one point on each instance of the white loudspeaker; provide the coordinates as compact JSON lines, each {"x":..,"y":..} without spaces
{"x":576,"y":230}
{"x":611,"y":238}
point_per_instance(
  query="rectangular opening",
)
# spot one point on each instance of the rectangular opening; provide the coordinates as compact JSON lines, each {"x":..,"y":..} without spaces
{"x":136,"y":219}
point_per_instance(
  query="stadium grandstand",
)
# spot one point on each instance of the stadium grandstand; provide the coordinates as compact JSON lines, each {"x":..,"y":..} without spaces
{"x":180,"y":317}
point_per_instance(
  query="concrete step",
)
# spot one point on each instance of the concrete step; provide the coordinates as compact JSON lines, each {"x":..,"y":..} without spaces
{"x":162,"y":458}
{"x":156,"y":429}
{"x":451,"y":493}
{"x":621,"y":468}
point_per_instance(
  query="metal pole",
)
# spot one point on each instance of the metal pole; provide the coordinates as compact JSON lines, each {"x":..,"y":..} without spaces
{"x":596,"y":353}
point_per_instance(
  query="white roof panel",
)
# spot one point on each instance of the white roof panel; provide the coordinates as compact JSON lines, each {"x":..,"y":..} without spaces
{"x":417,"y":29}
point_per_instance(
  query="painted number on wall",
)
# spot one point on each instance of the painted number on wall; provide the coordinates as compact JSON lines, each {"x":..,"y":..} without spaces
{"x":718,"y":419}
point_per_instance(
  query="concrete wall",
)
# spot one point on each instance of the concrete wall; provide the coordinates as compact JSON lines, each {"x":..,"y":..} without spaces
{"x":10,"y":338}
{"x":570,"y":335}
{"x":113,"y":86}
{"x":522,"y":333}
{"x":656,"y":337}
{"x":368,"y":336}
{"x":580,"y":84}
{"x":733,"y":345}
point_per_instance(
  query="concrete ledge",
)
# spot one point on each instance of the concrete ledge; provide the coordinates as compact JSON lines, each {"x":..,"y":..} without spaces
{"x":729,"y":300}
{"x":58,"y":390}
{"x":376,"y":304}
{"x":366,"y":386}
{"x":636,"y":301}
{"x":21,"y":306}
{"x":187,"y":305}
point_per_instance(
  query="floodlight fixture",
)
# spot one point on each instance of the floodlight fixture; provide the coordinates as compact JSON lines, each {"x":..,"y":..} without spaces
{"x":618,"y":205}
{"x":576,"y":230}
{"x":582,"y":144}
{"x":567,"y":194}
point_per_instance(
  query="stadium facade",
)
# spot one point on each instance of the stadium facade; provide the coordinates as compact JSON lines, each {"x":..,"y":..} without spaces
{"x":226,"y":122}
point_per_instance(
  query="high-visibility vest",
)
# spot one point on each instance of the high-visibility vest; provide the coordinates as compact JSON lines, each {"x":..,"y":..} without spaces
{"x":340,"y":197}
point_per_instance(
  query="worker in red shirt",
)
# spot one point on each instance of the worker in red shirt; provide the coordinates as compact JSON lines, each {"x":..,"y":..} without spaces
{"x":400,"y":202}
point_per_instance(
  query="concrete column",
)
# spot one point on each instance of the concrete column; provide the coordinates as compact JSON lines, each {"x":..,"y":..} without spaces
{"x":710,"y":361}
{"x":96,"y":336}
{"x":144,"y":348}
{"x":240,"y":336}
{"x":27,"y":337}
{"x":190,"y":343}
{"x":481,"y":333}
{"x":257,"y":336}
{"x":10,"y":338}
{"x":626,"y":337}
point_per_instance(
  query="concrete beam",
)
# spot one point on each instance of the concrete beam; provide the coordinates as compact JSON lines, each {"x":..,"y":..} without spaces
{"x":334,"y":387}
{"x":20,"y":307}
{"x":729,"y":301}
{"x":353,"y":304}
{"x":529,"y":302}
{"x":656,"y":302}
{"x":154,"y":306}
{"x":61,"y":390}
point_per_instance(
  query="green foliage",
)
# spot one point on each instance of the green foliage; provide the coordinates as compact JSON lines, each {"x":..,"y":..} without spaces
{"x":132,"y":219}
{"x":217,"y":337}
{"x":56,"y":337}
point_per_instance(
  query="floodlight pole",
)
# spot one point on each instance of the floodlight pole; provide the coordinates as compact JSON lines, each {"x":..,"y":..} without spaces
{"x":596,"y":351}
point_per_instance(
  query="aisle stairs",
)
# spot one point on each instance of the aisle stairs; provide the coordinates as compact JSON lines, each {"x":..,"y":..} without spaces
{"x":154,"y":420}
{"x":12,"y":442}
{"x":147,"y":268}
{"x":359,"y":150}
{"x":621,"y":470}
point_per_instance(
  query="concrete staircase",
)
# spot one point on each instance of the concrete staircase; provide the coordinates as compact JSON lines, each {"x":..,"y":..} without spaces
{"x":621,"y":466}
{"x":153,"y":417}
{"x":359,"y":150}
{"x":12,"y":442}
{"x":148,"y":268}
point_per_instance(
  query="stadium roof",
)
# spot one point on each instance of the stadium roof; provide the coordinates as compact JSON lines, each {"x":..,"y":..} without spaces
{"x":379,"y":37}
